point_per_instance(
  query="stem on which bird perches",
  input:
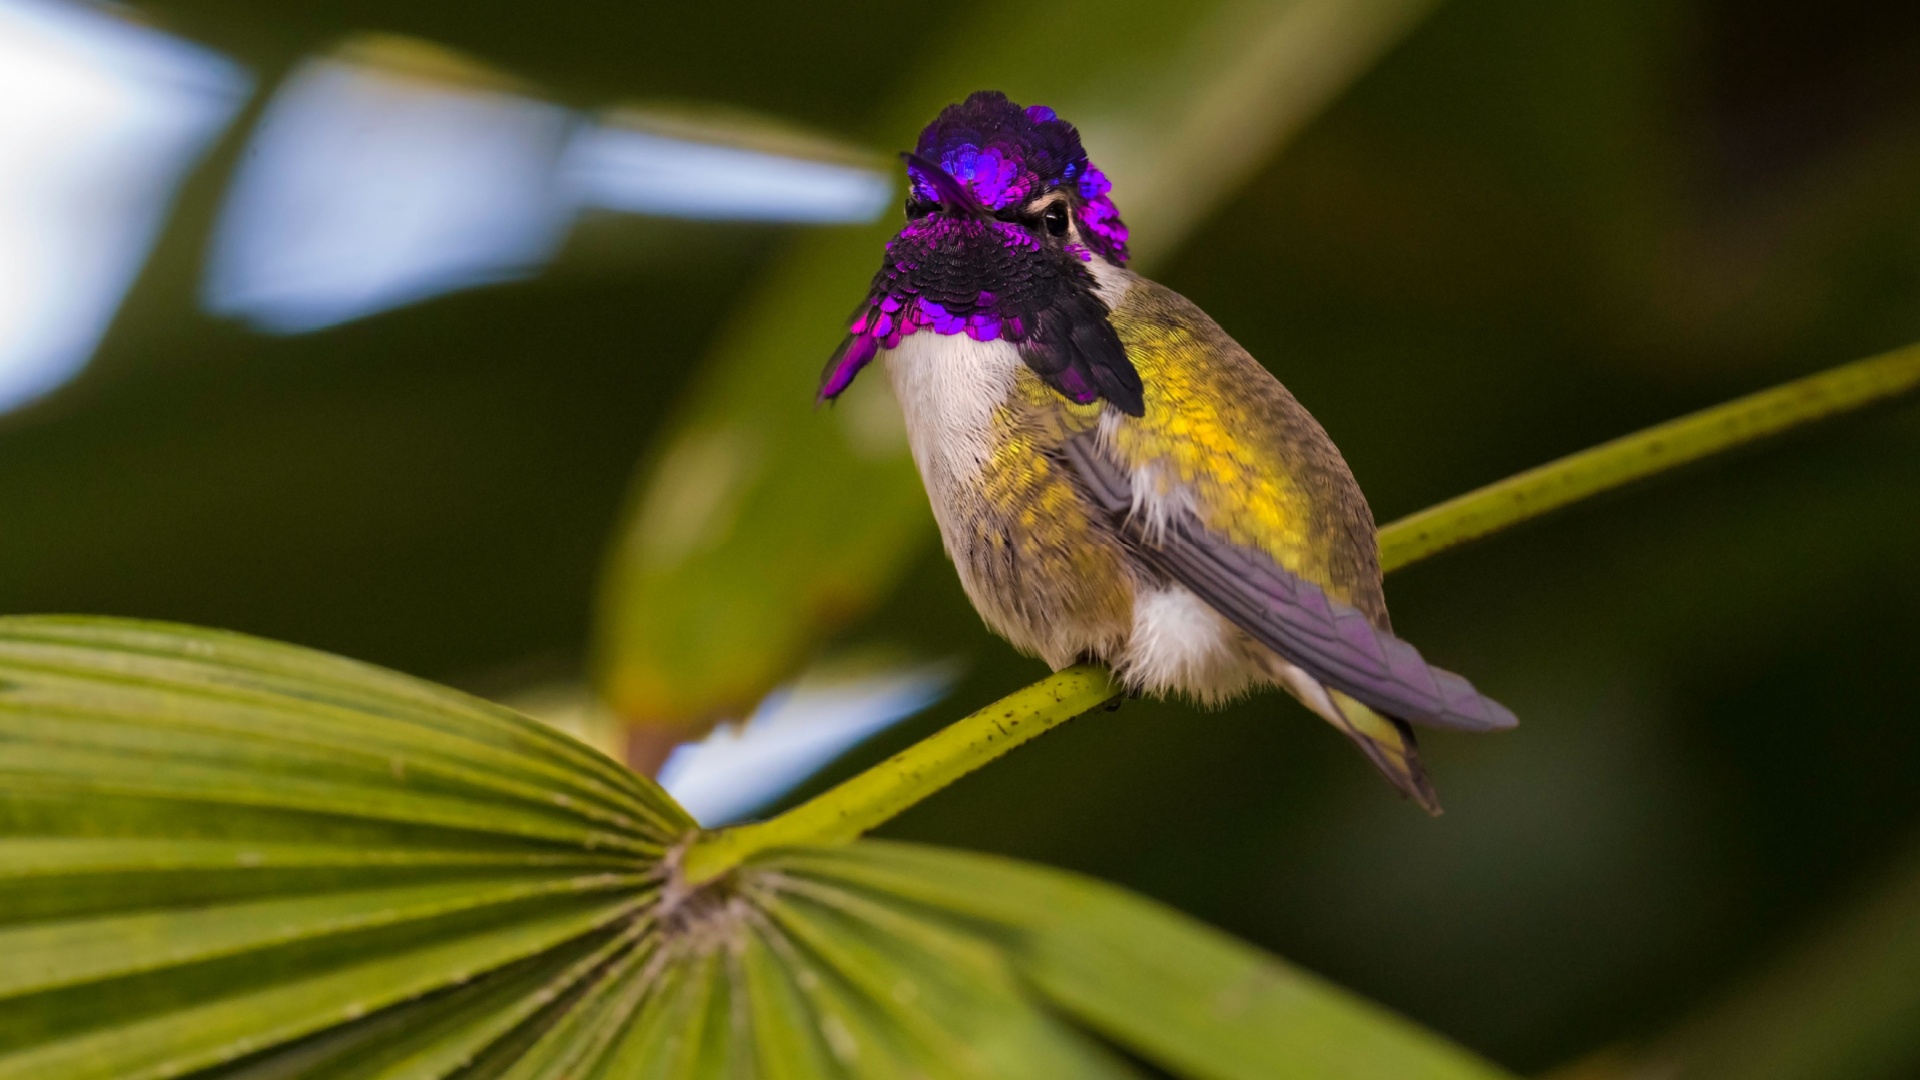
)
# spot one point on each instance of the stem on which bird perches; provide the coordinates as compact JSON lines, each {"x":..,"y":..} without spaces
{"x":882,"y":792}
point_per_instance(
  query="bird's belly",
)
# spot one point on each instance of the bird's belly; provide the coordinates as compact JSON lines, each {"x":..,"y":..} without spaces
{"x":1035,"y":566}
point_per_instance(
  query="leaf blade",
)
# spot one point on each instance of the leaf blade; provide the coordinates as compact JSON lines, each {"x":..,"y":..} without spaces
{"x":179,"y":1041}
{"x":1153,"y":980}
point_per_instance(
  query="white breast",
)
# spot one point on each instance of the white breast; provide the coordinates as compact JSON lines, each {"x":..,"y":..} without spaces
{"x":949,"y":387}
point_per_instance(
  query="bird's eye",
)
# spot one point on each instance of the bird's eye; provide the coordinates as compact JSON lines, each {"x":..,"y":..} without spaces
{"x":919,"y":208}
{"x":1056,"y":219}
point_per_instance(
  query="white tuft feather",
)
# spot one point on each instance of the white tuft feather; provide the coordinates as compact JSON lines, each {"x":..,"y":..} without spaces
{"x":1181,"y":645}
{"x":1159,"y":498}
{"x":1110,"y":282}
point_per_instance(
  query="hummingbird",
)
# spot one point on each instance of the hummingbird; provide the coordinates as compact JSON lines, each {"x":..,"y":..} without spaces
{"x":1114,"y":477}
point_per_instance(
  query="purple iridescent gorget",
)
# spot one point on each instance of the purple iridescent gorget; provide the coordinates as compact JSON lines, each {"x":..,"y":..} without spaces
{"x":1004,"y":214}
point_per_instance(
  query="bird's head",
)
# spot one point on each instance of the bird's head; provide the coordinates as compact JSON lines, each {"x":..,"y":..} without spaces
{"x":1005,"y":217}
{"x":987,"y":158}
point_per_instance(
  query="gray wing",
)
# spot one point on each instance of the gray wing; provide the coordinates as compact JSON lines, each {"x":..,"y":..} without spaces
{"x":1294,"y":617}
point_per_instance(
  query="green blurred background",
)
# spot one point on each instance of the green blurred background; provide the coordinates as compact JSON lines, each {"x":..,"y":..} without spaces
{"x":1529,"y":228}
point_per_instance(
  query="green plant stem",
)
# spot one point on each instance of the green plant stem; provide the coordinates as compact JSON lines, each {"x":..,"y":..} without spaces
{"x":865,"y":801}
{"x":1656,"y":449}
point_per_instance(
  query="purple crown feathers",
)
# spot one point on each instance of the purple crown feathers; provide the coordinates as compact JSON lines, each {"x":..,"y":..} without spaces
{"x":1006,"y":155}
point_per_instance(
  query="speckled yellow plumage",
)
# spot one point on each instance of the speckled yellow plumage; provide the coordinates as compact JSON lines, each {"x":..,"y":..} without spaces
{"x":1257,"y":466}
{"x":1040,"y":530}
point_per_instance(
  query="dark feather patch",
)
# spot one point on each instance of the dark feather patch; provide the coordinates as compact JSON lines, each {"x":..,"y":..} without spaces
{"x":1075,"y":349}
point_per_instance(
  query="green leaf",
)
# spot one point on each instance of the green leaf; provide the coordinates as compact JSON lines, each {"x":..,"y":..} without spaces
{"x":759,"y":524}
{"x":239,"y":844}
{"x":222,"y":857}
{"x":1164,"y":986}
{"x":47,"y":955}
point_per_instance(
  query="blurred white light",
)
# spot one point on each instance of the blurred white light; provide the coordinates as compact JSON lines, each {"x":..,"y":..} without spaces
{"x":640,"y":172}
{"x":100,"y":118}
{"x":368,"y":187}
{"x":739,"y":769}
{"x":392,"y":170}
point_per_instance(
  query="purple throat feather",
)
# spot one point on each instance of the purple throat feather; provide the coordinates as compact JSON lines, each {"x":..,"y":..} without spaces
{"x":977,"y":256}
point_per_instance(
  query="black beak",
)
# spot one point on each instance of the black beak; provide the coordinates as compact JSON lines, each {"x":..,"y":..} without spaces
{"x":955,"y":198}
